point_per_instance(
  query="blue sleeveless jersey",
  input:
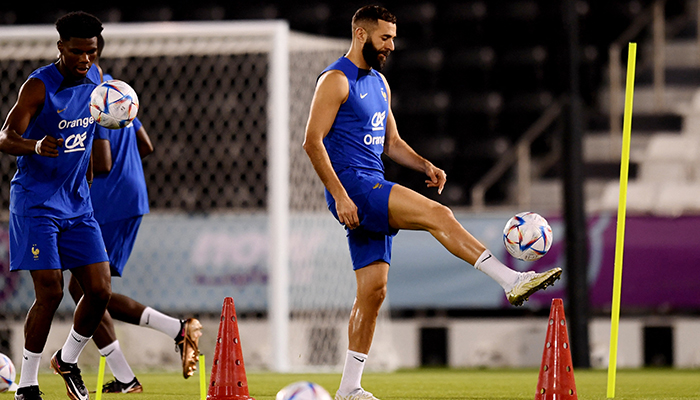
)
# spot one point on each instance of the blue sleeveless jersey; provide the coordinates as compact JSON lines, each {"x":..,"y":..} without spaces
{"x":122,"y":192}
{"x":57,"y":187}
{"x":356,"y":138}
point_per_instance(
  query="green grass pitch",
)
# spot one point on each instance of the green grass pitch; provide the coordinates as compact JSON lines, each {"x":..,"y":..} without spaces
{"x":445,"y":384}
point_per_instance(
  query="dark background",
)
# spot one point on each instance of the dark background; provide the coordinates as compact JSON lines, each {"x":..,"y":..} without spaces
{"x":468,"y":77}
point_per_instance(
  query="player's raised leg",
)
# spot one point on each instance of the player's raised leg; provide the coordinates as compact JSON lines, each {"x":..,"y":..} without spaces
{"x":371,"y":292}
{"x":411,"y":210}
{"x":185,"y":332}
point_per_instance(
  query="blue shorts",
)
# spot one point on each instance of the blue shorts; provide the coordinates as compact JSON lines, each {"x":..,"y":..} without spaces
{"x":39,"y":243}
{"x":372,"y":240}
{"x":119,"y":237}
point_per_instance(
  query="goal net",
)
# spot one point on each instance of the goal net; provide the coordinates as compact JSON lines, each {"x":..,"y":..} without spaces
{"x":226,"y":105}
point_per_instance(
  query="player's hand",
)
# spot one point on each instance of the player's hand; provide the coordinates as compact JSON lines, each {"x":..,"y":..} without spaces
{"x":438,"y":178}
{"x":48,"y":146}
{"x":347,"y":212}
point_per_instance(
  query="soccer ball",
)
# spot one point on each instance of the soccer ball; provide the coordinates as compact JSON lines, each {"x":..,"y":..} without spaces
{"x":114,"y":104}
{"x":7,"y":373}
{"x":527,"y":236}
{"x":303,"y":391}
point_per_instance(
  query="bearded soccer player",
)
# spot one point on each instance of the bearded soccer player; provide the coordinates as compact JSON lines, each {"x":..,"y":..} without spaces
{"x":350,"y":126}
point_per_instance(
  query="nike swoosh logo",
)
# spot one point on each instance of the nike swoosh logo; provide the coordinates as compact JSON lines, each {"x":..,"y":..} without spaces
{"x":486,"y":258}
{"x":148,"y":318}
{"x":358,"y":359}
{"x":362,"y":96}
{"x":60,"y":111}
{"x":76,"y":339}
{"x":107,"y":355}
{"x":126,"y":390}
{"x":26,"y":358}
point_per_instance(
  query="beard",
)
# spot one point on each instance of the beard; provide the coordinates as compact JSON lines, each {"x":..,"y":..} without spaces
{"x":372,"y":56}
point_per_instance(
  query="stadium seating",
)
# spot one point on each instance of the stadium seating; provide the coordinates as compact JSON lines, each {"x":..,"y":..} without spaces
{"x":479,"y":72}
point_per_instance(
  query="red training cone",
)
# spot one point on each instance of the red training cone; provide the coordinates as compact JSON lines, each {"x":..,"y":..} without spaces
{"x":556,"y":381}
{"x":228,"y":379}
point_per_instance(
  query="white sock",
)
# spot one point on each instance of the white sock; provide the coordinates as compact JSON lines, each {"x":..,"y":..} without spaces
{"x":30,"y":369}
{"x":117,"y":362}
{"x":75,"y":343}
{"x":352,"y":372}
{"x":504,"y":276}
{"x":160,"y":322}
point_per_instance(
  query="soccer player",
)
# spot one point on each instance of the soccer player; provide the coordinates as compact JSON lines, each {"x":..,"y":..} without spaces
{"x":350,"y":125}
{"x":52,"y":225}
{"x":120,"y":199}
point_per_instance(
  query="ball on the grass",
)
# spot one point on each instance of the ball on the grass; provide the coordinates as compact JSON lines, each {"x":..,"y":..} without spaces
{"x":303,"y":391}
{"x":7,"y":373}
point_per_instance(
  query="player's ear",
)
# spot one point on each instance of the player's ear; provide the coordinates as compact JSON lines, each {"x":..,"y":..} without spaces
{"x":361,"y":34}
{"x":59,"y":44}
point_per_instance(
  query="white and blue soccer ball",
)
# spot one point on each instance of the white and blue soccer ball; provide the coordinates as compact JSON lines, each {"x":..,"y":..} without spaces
{"x":7,"y":374}
{"x":303,"y":391}
{"x":114,"y":104}
{"x":527,"y":236}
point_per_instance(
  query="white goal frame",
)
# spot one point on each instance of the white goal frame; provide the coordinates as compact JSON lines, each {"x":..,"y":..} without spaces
{"x":273,"y":37}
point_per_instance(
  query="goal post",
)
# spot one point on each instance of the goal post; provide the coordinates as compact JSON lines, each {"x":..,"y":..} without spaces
{"x":226,"y":105}
{"x":278,"y":197}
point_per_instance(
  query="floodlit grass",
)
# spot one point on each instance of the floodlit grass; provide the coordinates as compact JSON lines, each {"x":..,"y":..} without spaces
{"x":447,"y":384}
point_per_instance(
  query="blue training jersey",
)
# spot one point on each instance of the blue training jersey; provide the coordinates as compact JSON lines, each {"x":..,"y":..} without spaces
{"x":122,"y":192}
{"x":57,"y":187}
{"x":356,"y":138}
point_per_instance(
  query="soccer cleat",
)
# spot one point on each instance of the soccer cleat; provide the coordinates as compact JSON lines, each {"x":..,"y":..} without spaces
{"x":187,"y":341}
{"x":28,"y":393}
{"x":530,"y":282}
{"x":119,"y":387}
{"x":71,"y":377}
{"x":357,"y":394}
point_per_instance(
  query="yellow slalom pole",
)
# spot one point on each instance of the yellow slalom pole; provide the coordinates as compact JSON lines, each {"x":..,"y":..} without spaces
{"x":202,"y":378}
{"x":621,"y":215}
{"x":100,"y":378}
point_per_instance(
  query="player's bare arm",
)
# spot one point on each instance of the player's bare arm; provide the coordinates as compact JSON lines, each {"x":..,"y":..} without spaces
{"x":331,"y":92}
{"x":101,"y":156}
{"x":90,"y":175}
{"x":398,"y":150}
{"x":143,"y":141}
{"x":29,"y":102}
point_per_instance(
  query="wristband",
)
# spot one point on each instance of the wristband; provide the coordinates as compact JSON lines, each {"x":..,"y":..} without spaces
{"x":37,"y":147}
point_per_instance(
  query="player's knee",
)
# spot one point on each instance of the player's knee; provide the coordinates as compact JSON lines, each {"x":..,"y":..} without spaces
{"x":446,"y":212}
{"x":99,"y":293}
{"x":440,"y":213}
{"x":375,"y":294}
{"x":50,"y":296}
{"x":380,"y":294}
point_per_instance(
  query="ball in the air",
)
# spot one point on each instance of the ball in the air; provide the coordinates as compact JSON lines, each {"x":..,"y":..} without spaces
{"x":114,"y":104}
{"x":527,"y":236}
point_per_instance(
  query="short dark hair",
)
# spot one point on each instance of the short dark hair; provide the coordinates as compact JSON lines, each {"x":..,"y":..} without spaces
{"x":78,"y":24}
{"x":372,"y":14}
